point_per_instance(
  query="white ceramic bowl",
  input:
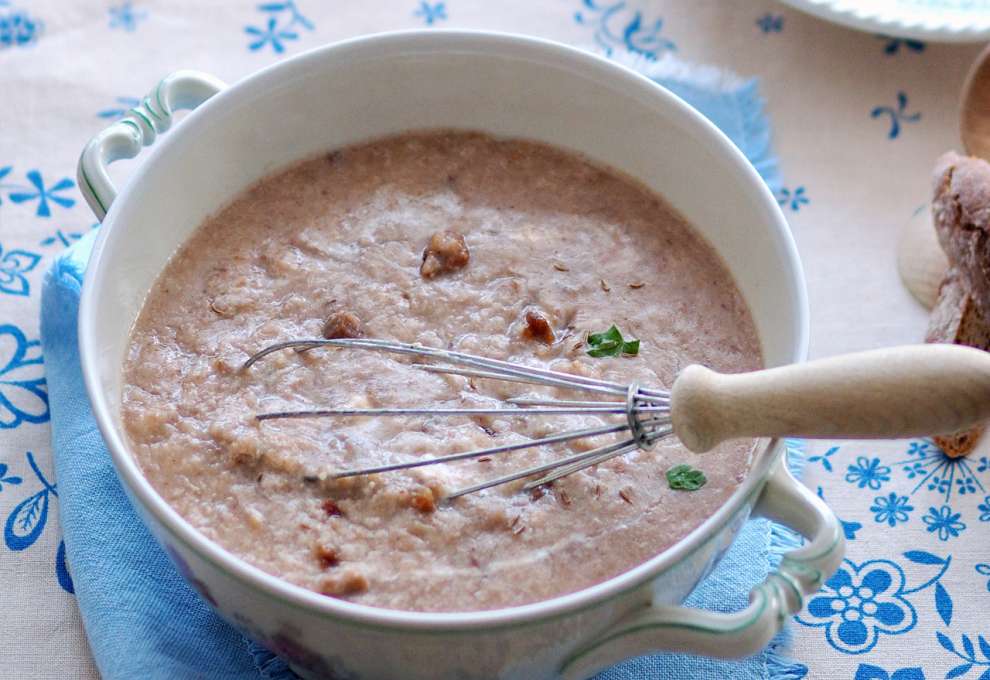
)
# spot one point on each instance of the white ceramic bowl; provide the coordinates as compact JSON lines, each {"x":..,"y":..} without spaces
{"x":505,"y":85}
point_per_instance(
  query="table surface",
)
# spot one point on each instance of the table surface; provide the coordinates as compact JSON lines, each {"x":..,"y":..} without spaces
{"x":858,"y":122}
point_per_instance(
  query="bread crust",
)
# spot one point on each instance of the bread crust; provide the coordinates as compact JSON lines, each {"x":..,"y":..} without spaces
{"x":961,"y":214}
{"x":957,"y":319}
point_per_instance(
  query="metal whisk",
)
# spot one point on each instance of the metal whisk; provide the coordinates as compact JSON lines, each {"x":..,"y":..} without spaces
{"x":908,"y":391}
{"x":647,"y":411}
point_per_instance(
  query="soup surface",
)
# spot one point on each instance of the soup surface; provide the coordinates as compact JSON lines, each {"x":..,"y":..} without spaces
{"x":503,"y":248}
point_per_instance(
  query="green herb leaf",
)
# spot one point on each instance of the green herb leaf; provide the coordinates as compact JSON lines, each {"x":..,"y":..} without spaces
{"x":611,"y":344}
{"x":600,"y":352}
{"x":611,"y":336}
{"x":685,"y":478}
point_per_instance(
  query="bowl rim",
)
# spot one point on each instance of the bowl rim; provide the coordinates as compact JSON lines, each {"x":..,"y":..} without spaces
{"x":493,"y":43}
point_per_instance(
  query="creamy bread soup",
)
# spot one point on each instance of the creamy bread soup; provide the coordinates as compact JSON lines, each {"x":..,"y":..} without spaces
{"x":505,"y":248}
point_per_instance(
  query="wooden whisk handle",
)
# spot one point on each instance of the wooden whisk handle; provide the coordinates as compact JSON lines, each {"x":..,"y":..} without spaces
{"x":909,"y":391}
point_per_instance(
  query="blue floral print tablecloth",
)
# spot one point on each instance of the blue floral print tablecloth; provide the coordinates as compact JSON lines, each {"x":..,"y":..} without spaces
{"x":858,"y":122}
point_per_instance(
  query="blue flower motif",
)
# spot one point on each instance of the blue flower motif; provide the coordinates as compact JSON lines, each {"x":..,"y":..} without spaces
{"x":126,"y":17}
{"x":968,"y":654}
{"x":897,"y":115}
{"x":868,"y":473}
{"x":14,"y":264}
{"x":44,"y":194}
{"x":124,"y":104}
{"x":870,"y":672}
{"x":5,"y":479}
{"x":984,"y":570}
{"x":943,"y":521}
{"x":894,"y":44}
{"x":792,"y":199}
{"x":891,"y":509}
{"x":966,"y":485}
{"x":23,"y":392}
{"x":618,"y":25}
{"x":27,"y":520}
{"x":276,"y":33}
{"x":63,"y":237}
{"x":431,"y":13}
{"x":272,"y":34}
{"x":770,"y":23}
{"x":824,"y":458}
{"x":859,"y":603}
{"x":940,"y":484}
{"x":18,"y":28}
{"x":935,"y":471}
{"x":984,"y":509}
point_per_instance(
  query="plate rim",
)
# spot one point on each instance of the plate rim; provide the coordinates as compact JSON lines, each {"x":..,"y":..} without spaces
{"x":876,"y":18}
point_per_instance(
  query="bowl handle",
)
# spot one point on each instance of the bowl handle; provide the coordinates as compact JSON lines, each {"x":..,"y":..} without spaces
{"x":673,"y":628}
{"x":139,"y":127}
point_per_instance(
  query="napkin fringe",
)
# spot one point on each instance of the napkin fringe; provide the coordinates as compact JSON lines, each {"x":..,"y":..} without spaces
{"x":671,"y":67}
{"x":270,"y":666}
{"x":744,"y":92}
{"x":780,"y":667}
{"x":756,"y":146}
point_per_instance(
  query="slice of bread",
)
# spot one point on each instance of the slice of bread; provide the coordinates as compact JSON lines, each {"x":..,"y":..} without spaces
{"x":957,"y":319}
{"x":961,"y":214}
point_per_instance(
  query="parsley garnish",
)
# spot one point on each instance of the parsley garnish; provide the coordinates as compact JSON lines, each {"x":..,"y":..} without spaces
{"x":685,"y":478}
{"x":611,"y":344}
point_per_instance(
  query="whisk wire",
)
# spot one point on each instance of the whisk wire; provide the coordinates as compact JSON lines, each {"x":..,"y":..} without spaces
{"x":450,"y":356}
{"x":480,"y":453}
{"x":623,"y":447}
{"x":646,"y":410}
{"x":570,"y":468}
{"x":494,"y":411}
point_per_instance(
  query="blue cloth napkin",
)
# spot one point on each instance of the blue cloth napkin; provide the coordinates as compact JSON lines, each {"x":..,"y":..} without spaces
{"x":141,"y":618}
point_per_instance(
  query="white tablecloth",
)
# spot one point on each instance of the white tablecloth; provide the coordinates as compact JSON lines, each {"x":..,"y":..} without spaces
{"x":858,"y":120}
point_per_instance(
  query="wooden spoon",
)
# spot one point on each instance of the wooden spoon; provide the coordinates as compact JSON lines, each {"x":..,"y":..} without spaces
{"x":920,"y":259}
{"x":974,"y":116}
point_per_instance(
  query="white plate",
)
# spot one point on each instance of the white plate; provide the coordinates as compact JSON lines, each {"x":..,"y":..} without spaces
{"x":935,"y":20}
